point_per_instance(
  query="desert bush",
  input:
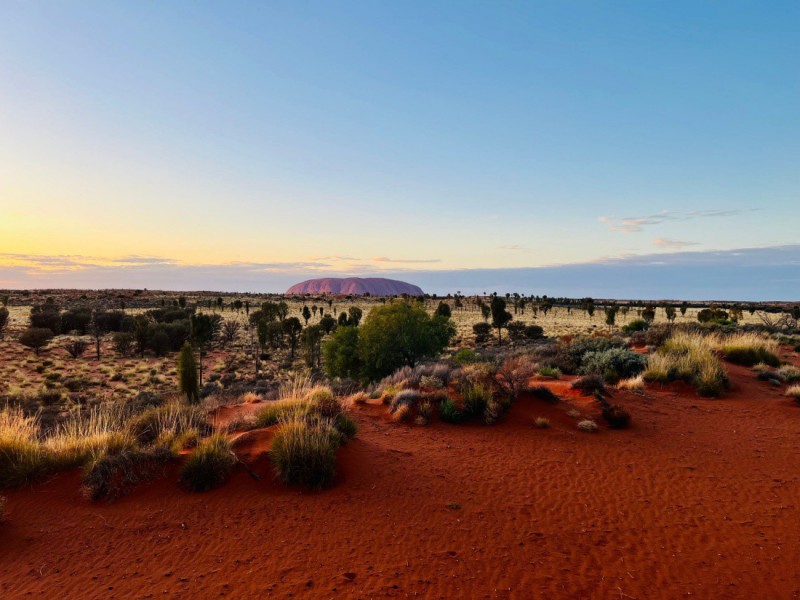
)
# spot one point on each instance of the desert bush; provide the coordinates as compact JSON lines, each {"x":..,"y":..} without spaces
{"x":36,"y":338}
{"x":304,"y":452}
{"x":113,"y":475}
{"x":543,"y":393}
{"x":587,"y":425}
{"x":616,"y":416}
{"x":210,"y":465}
{"x":794,"y":392}
{"x":613,"y":364}
{"x":482,"y":332}
{"x":747,"y":349}
{"x":284,"y":409}
{"x":449,"y":412}
{"x":589,"y":384}
{"x":514,"y":374}
{"x":430,"y":383}
{"x":788,"y":373}
{"x":401,"y":413}
{"x":324,"y":403}
{"x":476,"y":398}
{"x":123,"y":343}
{"x":404,"y":398}
{"x":533,"y":332}
{"x":346,"y":426}
{"x":636,"y":325}
{"x":465,"y":356}
{"x":516,"y":330}
{"x":76,"y":347}
{"x":425,"y":412}
{"x":542,"y":422}
{"x":164,"y":423}
{"x":550,"y":372}
{"x":569,"y":356}
{"x":690,"y":357}
{"x":709,"y":315}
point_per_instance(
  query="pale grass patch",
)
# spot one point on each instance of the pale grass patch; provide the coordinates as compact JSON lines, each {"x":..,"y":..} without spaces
{"x":634,"y":383}
{"x":587,"y":425}
{"x":794,"y":392}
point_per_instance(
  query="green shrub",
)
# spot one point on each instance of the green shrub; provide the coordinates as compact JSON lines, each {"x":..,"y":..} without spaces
{"x":616,"y":416}
{"x":304,"y":452}
{"x":613,"y":364}
{"x":636,"y":325}
{"x":550,"y":372}
{"x":465,"y":356}
{"x":280,"y":410}
{"x":209,"y":466}
{"x":589,"y":384}
{"x":346,"y":426}
{"x":476,"y":398}
{"x":448,"y":411}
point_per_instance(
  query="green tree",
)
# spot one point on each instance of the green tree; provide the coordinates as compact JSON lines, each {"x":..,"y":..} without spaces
{"x":204,"y":328}
{"x":354,"y":315}
{"x":399,"y":334}
{"x":306,"y":314}
{"x":341,"y":354}
{"x":312,"y":345}
{"x":611,"y":315}
{"x":500,"y":316}
{"x":3,"y":320}
{"x":443,"y":310}
{"x":328,"y":323}
{"x":187,"y":374}
{"x":292,"y":328}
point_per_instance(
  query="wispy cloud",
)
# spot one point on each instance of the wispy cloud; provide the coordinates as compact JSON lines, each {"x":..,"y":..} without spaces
{"x":636,"y":224}
{"x":668,"y":243}
{"x":384,"y":259}
{"x":512,"y":247}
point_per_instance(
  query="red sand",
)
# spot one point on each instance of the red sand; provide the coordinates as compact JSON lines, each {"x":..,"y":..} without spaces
{"x":699,"y":498}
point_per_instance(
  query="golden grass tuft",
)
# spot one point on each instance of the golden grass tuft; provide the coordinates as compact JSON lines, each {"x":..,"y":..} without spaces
{"x":634,"y":383}
{"x":689,"y":357}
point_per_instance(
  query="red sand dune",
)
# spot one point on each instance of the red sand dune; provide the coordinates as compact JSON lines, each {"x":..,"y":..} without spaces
{"x":700,"y":497}
{"x":375,"y":286}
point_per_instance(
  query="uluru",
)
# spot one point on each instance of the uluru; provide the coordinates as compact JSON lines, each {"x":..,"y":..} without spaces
{"x":374,"y":286}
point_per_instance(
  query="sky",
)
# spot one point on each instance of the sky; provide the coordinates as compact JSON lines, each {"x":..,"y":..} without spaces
{"x":568,"y":146}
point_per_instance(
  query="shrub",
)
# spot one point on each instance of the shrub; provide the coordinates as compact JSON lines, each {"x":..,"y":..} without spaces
{"x":613,"y":364}
{"x":794,"y":392}
{"x":430,"y":383}
{"x":36,"y":338}
{"x":550,"y":372}
{"x":514,"y":374}
{"x":747,"y":349}
{"x":401,"y":413}
{"x":210,"y":465}
{"x":533,"y":332}
{"x":187,"y":374}
{"x":22,"y":459}
{"x":636,"y":325}
{"x":788,"y":373}
{"x":465,"y":356}
{"x":482,"y":332}
{"x":516,"y":330}
{"x":448,"y":411}
{"x":542,"y":423}
{"x":347,"y":427}
{"x":616,"y":416}
{"x":324,"y":402}
{"x":476,"y":398}
{"x":589,"y":384}
{"x":404,"y":398}
{"x":114,"y":475}
{"x":543,"y":393}
{"x":164,"y":423}
{"x":304,"y":452}
{"x":708,"y":315}
{"x":75,"y":348}
{"x":425,"y":412}
{"x":279,"y":410}
{"x":689,"y":357}
{"x":587,"y":425}
{"x":569,"y":357}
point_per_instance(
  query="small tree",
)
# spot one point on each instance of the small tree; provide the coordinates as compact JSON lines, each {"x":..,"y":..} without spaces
{"x":204,"y":328}
{"x":611,"y":315}
{"x":230,"y":329}
{"x":36,"y":338}
{"x":76,"y":347}
{"x":312,"y":344}
{"x":306,"y":312}
{"x":671,"y":313}
{"x":328,"y":323}
{"x":443,"y":310}
{"x":187,"y":374}
{"x":292,"y":328}
{"x":354,"y":315}
{"x":3,"y":320}
{"x":341,"y":353}
{"x":500,"y":317}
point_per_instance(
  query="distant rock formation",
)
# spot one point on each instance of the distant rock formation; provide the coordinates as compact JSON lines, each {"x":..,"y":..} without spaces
{"x":374,"y":286}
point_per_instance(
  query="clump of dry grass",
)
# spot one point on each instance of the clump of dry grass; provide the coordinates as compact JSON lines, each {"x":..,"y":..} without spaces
{"x":634,"y":383}
{"x":303,"y":451}
{"x":690,"y":357}
{"x":210,"y":465}
{"x":542,"y":422}
{"x":794,"y":392}
{"x":747,"y":348}
{"x":587,"y":425}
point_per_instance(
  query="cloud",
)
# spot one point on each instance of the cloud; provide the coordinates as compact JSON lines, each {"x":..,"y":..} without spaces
{"x":668,"y":243}
{"x":384,"y":259}
{"x":636,"y":224}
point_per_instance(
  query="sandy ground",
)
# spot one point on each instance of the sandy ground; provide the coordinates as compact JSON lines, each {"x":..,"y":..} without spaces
{"x":699,"y":498}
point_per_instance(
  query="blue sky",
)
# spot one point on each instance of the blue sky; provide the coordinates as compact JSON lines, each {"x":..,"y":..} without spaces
{"x":294,"y":139}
